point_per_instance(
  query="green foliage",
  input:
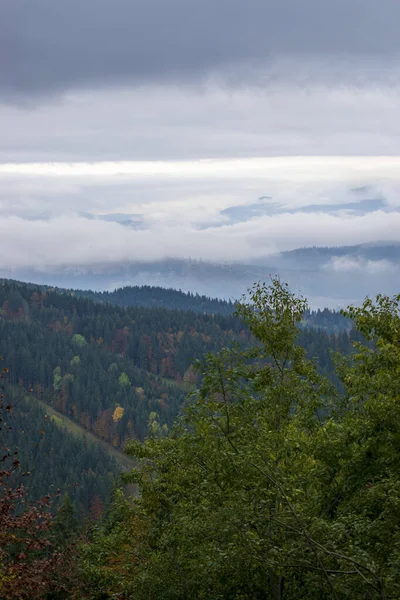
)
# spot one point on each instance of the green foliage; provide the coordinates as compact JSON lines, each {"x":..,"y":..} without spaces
{"x":124,"y":380}
{"x":108,"y":559}
{"x":79,"y":340}
{"x":272,"y":485}
{"x":76,"y":361}
{"x":57,"y":380}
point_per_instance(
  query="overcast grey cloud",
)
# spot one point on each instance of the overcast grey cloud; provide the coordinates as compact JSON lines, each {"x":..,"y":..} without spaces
{"x":185,"y":122}
{"x":48,"y":46}
{"x":220,"y":129}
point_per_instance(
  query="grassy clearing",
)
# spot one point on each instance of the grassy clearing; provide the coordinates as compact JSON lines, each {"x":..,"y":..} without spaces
{"x":123,"y":460}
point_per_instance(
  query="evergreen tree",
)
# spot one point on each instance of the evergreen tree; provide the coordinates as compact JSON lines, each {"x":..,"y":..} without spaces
{"x":65,"y":526}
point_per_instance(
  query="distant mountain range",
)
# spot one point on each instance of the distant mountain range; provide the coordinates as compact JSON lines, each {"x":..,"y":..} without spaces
{"x":328,"y":276}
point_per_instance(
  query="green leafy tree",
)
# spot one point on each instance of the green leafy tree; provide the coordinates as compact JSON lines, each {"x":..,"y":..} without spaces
{"x":57,"y":380}
{"x":124,"y":380}
{"x":272,"y":485}
{"x":109,"y":560}
{"x":75,"y":362}
{"x":79,"y":340}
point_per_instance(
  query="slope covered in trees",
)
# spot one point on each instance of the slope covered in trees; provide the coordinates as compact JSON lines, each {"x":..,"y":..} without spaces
{"x":157,"y":297}
{"x":88,"y":359}
{"x":116,"y":371}
{"x":151,"y":297}
{"x":55,"y":460}
{"x":145,"y":296}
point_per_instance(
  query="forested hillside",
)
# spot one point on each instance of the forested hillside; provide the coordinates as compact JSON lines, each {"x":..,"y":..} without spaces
{"x":157,"y":297}
{"x":275,"y":482}
{"x":149,"y":296}
{"x":112,"y":368}
{"x":87,"y":359}
{"x":145,"y":296}
{"x":56,"y":462}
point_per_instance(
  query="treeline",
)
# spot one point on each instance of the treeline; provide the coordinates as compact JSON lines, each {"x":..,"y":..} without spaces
{"x":157,"y":297}
{"x":149,"y":297}
{"x":145,"y":296}
{"x":330,"y":320}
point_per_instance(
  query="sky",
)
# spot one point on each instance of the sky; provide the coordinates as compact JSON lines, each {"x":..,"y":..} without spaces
{"x":224,"y":130}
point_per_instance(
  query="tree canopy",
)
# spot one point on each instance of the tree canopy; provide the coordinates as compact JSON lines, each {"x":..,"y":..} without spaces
{"x":273,"y":484}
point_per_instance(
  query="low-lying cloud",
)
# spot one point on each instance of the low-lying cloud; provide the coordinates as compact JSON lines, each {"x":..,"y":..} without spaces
{"x":93,"y":213}
{"x":351,"y":264}
{"x":74,"y":240}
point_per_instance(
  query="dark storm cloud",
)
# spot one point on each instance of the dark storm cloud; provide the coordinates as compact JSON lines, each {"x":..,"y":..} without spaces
{"x":52,"y":45}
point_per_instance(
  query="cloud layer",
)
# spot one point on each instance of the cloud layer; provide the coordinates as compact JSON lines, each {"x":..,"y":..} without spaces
{"x":157,"y":122}
{"x":48,"y":46}
{"x":220,"y":129}
{"x":91,"y":213}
